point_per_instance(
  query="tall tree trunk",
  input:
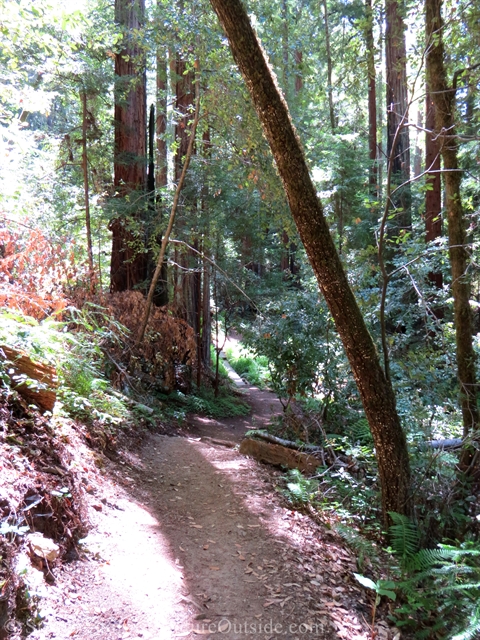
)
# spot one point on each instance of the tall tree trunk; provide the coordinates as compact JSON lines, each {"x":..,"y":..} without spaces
{"x":375,"y":390}
{"x":433,"y":195}
{"x":443,"y":97}
{"x":372,"y":100}
{"x":285,"y":55}
{"x":161,"y":165}
{"x":186,"y":291}
{"x":161,"y":177}
{"x":329,"y":67}
{"x":206,"y":325}
{"x":88,"y":226}
{"x":397,"y":107}
{"x":129,"y":261}
{"x":298,"y":70}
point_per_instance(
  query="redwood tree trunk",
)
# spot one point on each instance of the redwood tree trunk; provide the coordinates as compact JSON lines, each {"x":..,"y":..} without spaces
{"x":443,"y":97}
{"x":376,"y":392}
{"x":397,"y":106}
{"x":129,"y":262}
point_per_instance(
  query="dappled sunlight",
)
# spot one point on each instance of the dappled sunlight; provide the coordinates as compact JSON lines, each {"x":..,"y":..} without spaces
{"x":246,"y":560}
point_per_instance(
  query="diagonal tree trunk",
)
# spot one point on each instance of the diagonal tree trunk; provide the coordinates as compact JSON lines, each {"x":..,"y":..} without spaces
{"x":375,"y":390}
{"x":443,"y":97}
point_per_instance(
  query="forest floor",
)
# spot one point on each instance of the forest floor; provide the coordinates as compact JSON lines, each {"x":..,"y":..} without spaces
{"x":189,"y":538}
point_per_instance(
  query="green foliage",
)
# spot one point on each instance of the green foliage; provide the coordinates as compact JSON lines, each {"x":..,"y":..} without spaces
{"x":295,"y":336}
{"x":405,"y":537}
{"x":362,"y":546}
{"x":203,"y":401}
{"x":253,"y":368}
{"x":445,"y":580}
{"x":381,"y":587}
{"x":78,"y":355}
{"x":300,"y":490}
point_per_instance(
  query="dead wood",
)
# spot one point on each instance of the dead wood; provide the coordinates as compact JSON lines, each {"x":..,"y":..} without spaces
{"x":19,"y":365}
{"x":263,"y":435}
{"x":279,"y":456}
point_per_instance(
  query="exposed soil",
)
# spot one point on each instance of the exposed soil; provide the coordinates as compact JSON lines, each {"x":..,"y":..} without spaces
{"x":191,"y":539}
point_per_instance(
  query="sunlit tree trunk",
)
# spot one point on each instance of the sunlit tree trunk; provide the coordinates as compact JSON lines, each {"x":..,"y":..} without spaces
{"x":129,"y":261}
{"x":375,"y":390}
{"x":443,"y":97}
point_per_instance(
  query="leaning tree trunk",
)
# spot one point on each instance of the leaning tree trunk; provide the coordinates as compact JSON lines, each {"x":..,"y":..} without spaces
{"x":443,"y":97}
{"x":376,"y":392}
{"x":128,"y":261}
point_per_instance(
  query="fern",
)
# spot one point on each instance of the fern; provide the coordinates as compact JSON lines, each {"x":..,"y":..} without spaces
{"x":404,"y":537}
{"x":447,"y":581}
{"x":363,"y":548}
{"x":299,"y":489}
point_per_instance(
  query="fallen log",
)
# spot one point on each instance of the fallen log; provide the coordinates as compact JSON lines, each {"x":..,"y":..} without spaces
{"x":263,"y":435}
{"x":18,"y":366}
{"x":279,"y":455}
{"x":449,"y":443}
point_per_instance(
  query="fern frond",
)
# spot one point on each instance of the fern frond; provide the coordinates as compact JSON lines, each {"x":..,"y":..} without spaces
{"x":427,"y":559}
{"x":404,"y":536}
{"x":358,"y":543}
{"x":473,"y":627}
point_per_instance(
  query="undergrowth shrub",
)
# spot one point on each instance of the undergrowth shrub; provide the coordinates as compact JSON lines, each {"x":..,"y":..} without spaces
{"x":203,"y":401}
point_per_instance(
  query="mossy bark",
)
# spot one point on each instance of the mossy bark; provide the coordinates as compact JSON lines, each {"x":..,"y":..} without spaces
{"x":375,"y":390}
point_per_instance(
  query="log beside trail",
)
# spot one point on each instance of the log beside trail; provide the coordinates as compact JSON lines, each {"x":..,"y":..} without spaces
{"x":279,"y":455}
{"x":18,"y":364}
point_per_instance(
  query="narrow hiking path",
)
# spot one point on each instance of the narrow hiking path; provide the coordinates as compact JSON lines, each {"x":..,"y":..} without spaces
{"x":190,"y":539}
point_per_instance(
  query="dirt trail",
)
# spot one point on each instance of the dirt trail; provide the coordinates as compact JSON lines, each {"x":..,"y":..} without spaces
{"x":190,"y":540}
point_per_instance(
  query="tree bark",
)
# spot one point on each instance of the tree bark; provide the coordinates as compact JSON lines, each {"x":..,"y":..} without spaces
{"x":161,"y":165}
{"x":376,"y":392}
{"x":372,"y":100}
{"x":433,"y":196}
{"x":397,"y":106}
{"x":88,"y":225}
{"x":185,"y":282}
{"x":129,"y":262}
{"x":443,"y":97}
{"x":329,"y":68}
